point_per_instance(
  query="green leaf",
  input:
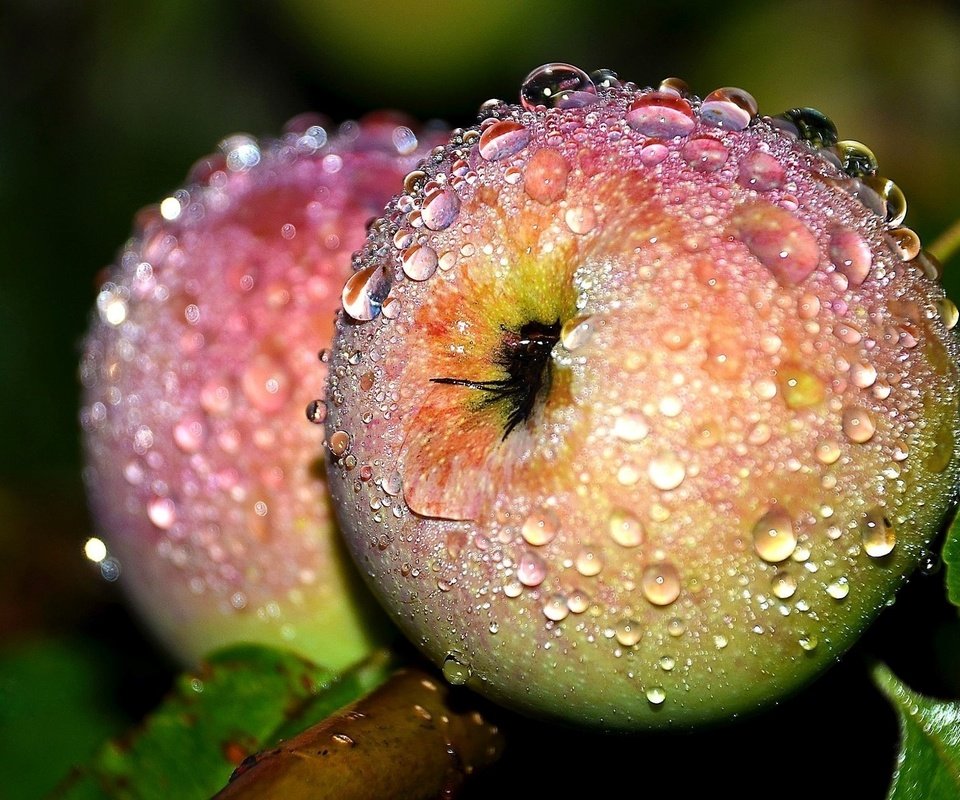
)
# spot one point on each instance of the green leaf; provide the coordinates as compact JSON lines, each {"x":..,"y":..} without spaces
{"x":231,"y":708}
{"x":951,"y":558}
{"x":928,"y":764}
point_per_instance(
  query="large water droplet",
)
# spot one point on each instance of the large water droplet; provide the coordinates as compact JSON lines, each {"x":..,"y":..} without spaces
{"x":588,"y":562}
{"x":576,"y":332}
{"x":440,"y":209}
{"x":856,"y":159}
{"x":661,"y":114}
{"x":761,"y":171}
{"x":625,"y":529}
{"x":729,"y":108}
{"x":850,"y":254}
{"x":858,"y":425}
{"x":419,"y":262}
{"x":540,"y":527}
{"x":162,"y":512}
{"x":545,"y":176}
{"x":531,"y":570}
{"x":628,"y":632}
{"x":555,"y":608}
{"x":656,"y":695}
{"x":660,"y":583}
{"x":365,"y":292}
{"x":557,"y":86}
{"x":502,"y":139}
{"x":704,"y":153}
{"x":666,"y":471}
{"x":838,"y":589}
{"x":773,"y":536}
{"x":455,"y":671}
{"x":783,"y":585}
{"x":778,"y":240}
{"x":877,"y":534}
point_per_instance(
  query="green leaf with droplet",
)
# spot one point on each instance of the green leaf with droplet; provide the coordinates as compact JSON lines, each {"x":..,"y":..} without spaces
{"x":233,"y":706}
{"x":928,"y":764}
{"x":951,"y":558}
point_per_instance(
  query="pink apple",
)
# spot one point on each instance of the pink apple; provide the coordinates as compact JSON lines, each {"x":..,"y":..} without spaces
{"x":204,"y":474}
{"x":642,"y":406}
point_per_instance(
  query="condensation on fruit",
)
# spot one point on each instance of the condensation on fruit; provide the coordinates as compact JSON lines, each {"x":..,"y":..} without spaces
{"x":673,"y":377}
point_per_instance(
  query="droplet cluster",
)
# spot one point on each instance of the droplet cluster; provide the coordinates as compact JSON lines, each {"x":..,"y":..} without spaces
{"x":203,"y":474}
{"x":744,"y":435}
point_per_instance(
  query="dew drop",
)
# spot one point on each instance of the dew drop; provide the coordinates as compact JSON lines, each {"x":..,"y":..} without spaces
{"x":162,"y":512}
{"x":545,"y":176}
{"x":555,"y":608}
{"x":189,"y":434}
{"x":778,"y":240}
{"x":783,"y":585}
{"x":588,"y":562}
{"x":502,"y":139}
{"x":850,"y":254}
{"x":729,"y":108}
{"x":455,"y":671}
{"x":676,"y":627}
{"x":364,"y":293}
{"x":667,"y":663}
{"x":906,"y":243}
{"x":856,"y":159}
{"x":948,"y":312}
{"x":625,"y":529}
{"x":666,"y":471}
{"x":628,"y":632}
{"x":557,"y":85}
{"x":808,"y":642}
{"x":531,"y":570}
{"x":895,"y":202}
{"x":660,"y":583}
{"x":339,"y":442}
{"x":630,"y":426}
{"x":266,"y":383}
{"x":580,"y":219}
{"x":812,"y":126}
{"x":761,"y":171}
{"x":877,"y":534}
{"x":440,"y":209}
{"x":704,"y":153}
{"x":656,"y":696}
{"x":112,"y":305}
{"x":661,"y":114}
{"x":540,"y":527}
{"x":858,"y":425}
{"x":576,"y":332}
{"x":773,"y":537}
{"x":800,"y":388}
{"x":578,"y":601}
{"x":419,"y":262}
{"x":838,"y":589}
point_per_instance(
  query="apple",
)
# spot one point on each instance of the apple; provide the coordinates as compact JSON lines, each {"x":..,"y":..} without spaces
{"x":641,"y":405}
{"x":202,"y":469}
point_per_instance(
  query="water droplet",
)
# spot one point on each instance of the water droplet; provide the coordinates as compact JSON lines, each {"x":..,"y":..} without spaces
{"x":576,"y":332}
{"x":653,"y":153}
{"x":189,"y":434}
{"x":162,"y":512}
{"x":625,"y":529}
{"x":893,"y":197}
{"x":720,"y":641}
{"x":404,"y":140}
{"x":850,"y":254}
{"x":557,"y":85}
{"x":863,"y":375}
{"x":948,"y":312}
{"x":605,"y":79}
{"x":630,"y":426}
{"x":858,"y":425}
{"x":578,"y":601}
{"x":778,"y":240}
{"x":729,"y":108}
{"x":555,"y":608}
{"x":419,"y":262}
{"x":545,"y":176}
{"x":808,"y":642}
{"x":666,"y":471}
{"x":628,"y":632}
{"x":502,"y":139}
{"x":676,"y":627}
{"x":660,"y":583}
{"x":588,"y":562}
{"x":316,"y":411}
{"x":365,"y":291}
{"x":773,"y":537}
{"x":812,"y":126}
{"x":531,"y":570}
{"x":704,"y":153}
{"x":455,"y":671}
{"x":112,"y":305}
{"x":877,"y":534}
{"x":440,"y":209}
{"x":838,"y":589}
{"x":906,"y":243}
{"x":761,"y":171}
{"x":656,"y":696}
{"x":540,"y":527}
{"x":783,"y":585}
{"x":580,"y":219}
{"x":667,"y":663}
{"x":661,"y":114}
{"x":339,"y":442}
{"x":242,"y":152}
{"x":800,"y":388}
{"x":856,"y":159}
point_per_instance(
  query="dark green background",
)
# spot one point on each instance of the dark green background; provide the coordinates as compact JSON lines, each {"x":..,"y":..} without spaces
{"x":103,"y":107}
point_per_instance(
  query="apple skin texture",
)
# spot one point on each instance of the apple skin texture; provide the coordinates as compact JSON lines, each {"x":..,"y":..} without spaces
{"x":201,"y":466}
{"x":741,"y":435}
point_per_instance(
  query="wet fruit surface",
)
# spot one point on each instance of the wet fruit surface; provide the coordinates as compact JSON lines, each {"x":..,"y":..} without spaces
{"x":202,"y":470}
{"x":669,"y":421}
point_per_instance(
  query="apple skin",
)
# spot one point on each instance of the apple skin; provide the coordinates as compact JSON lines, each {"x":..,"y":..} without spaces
{"x":201,"y":467}
{"x":742,"y":436}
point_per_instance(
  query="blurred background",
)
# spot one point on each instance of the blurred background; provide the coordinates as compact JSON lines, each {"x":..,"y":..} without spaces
{"x":104,"y":106}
